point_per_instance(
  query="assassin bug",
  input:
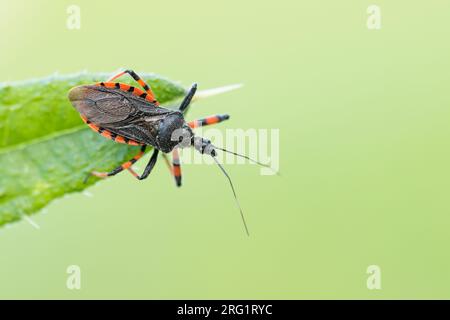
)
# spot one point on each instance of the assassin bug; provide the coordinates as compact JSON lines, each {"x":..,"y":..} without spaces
{"x":127,"y":114}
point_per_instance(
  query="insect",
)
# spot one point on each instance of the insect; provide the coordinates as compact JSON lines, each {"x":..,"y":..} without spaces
{"x":130,"y":115}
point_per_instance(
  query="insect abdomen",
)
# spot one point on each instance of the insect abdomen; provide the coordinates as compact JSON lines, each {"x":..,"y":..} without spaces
{"x":110,"y":135}
{"x":127,"y":88}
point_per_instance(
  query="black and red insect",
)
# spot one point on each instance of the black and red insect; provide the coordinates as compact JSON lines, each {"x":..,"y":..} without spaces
{"x":127,"y":114}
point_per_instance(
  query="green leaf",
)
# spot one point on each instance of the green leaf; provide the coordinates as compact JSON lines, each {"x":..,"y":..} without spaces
{"x":46,"y":151}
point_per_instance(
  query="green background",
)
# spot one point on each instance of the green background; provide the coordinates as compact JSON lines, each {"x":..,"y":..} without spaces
{"x":364,"y":140}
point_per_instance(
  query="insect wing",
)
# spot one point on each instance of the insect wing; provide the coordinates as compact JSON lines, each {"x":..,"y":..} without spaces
{"x":120,"y":112}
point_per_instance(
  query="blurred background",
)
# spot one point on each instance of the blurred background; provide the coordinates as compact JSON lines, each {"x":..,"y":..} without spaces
{"x":364,"y":134}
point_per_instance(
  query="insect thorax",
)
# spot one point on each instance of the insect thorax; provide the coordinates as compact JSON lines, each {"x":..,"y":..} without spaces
{"x":173,"y":131}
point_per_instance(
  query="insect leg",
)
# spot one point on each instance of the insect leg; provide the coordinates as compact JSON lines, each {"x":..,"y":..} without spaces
{"x":208,"y":120}
{"x":188,"y":98}
{"x":167,"y":162}
{"x":122,"y":167}
{"x":144,"y":176}
{"x":133,"y":173}
{"x":138,"y":79}
{"x":176,"y":167}
{"x":148,"y":169}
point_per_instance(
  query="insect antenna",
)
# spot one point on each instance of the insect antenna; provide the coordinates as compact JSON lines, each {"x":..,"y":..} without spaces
{"x":234,"y":193}
{"x":250,"y":159}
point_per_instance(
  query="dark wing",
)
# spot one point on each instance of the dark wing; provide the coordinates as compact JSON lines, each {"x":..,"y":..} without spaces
{"x":119,"y":111}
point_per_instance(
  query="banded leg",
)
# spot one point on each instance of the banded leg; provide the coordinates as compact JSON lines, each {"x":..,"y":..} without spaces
{"x":139,"y":80}
{"x":208,"y":120}
{"x":150,"y":165}
{"x":133,"y":173}
{"x":167,"y":162}
{"x":147,"y":169}
{"x":122,"y":167}
{"x":187,"y":100}
{"x":127,"y":165}
{"x":174,"y":168}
